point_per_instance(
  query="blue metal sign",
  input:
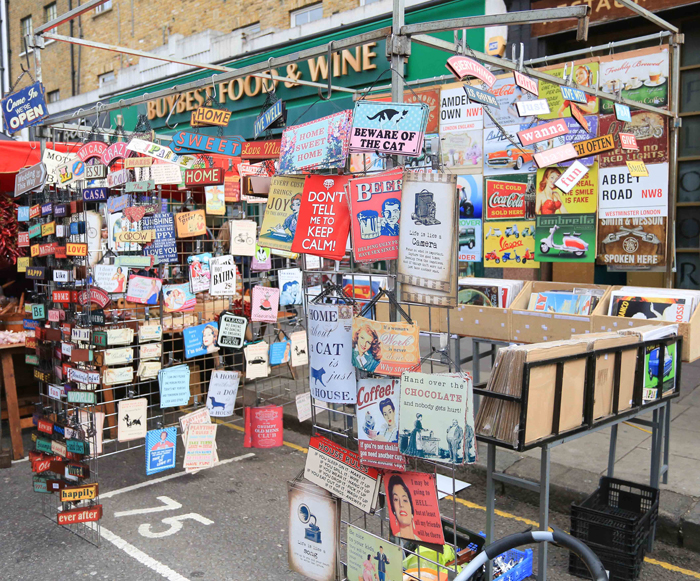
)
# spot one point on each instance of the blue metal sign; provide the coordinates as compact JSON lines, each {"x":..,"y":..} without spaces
{"x":480,"y":96}
{"x":24,"y":108}
{"x":268,"y":117}
{"x":23,"y":213}
{"x":94,"y":194}
{"x":622,"y":112}
{"x":186,"y":142}
{"x":572,"y":94}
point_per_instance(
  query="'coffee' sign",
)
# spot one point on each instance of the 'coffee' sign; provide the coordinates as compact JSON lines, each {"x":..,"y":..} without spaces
{"x":204,"y":176}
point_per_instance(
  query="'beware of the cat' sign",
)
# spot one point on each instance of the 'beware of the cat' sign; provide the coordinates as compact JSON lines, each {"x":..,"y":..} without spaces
{"x":396,"y":128}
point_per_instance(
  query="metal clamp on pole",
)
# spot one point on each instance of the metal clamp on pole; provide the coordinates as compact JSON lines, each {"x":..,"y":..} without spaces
{"x":398,"y":45}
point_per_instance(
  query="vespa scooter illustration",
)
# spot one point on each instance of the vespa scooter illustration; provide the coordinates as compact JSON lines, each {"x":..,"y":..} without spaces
{"x":571,"y":243}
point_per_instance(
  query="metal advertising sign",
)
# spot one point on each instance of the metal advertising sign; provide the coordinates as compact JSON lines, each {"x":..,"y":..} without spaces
{"x":202,"y":116}
{"x":267,"y":117}
{"x":95,"y":194}
{"x":91,"y":150}
{"x":30,"y":178}
{"x":461,"y":66}
{"x":484,"y":97}
{"x":24,"y":108}
{"x":90,"y":514}
{"x":186,"y":142}
{"x":204,"y":176}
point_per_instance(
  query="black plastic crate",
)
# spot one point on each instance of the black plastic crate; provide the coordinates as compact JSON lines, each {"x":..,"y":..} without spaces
{"x":619,"y":515}
{"x":621,"y":567}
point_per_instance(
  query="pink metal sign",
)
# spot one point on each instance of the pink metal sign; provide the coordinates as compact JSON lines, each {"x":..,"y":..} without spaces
{"x":461,"y":66}
{"x":543,"y":132}
{"x":555,"y":155}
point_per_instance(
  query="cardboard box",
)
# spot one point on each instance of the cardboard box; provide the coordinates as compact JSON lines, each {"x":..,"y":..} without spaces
{"x":690,"y":331}
{"x":535,"y":327}
{"x":473,"y":321}
{"x":420,"y":314}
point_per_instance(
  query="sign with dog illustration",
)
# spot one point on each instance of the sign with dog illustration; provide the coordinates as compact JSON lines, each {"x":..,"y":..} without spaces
{"x":397,"y":128}
{"x":223,"y":389}
{"x":510,"y":244}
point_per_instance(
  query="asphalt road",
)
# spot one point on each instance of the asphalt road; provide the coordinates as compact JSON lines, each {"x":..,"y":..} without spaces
{"x":227,"y":523}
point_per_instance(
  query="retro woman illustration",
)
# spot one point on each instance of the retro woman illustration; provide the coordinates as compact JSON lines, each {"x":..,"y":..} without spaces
{"x":290,"y":222}
{"x":153,"y":293}
{"x":415,"y":442}
{"x":584,"y":78}
{"x":401,"y":504}
{"x":209,"y":335}
{"x":548,"y":196}
{"x":120,"y":277}
{"x":366,"y":349}
{"x":390,"y":431}
{"x":368,"y":571}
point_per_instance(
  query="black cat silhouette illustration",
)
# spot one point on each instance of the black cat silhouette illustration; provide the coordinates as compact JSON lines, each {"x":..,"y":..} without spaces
{"x":389,"y":115}
{"x":216,"y":404}
{"x":317,"y":375}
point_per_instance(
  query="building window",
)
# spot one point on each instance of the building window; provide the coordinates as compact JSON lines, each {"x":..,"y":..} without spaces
{"x":250,"y":30}
{"x":106,"y":78}
{"x":366,"y":2}
{"x":50,"y":13}
{"x":26,"y":28}
{"x":53,"y":96}
{"x":103,"y":7}
{"x":306,"y":15}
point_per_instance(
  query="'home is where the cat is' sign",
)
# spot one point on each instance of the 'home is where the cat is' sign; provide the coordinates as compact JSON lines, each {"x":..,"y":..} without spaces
{"x":397,"y":128}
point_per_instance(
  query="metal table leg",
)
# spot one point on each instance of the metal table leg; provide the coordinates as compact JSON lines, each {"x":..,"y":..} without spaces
{"x":667,"y":441}
{"x":544,"y":512}
{"x":657,"y":439}
{"x":612,"y":451}
{"x":490,"y":501}
{"x":476,"y":361}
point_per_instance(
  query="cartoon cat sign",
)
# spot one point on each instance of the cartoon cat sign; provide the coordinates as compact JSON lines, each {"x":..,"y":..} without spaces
{"x":388,"y":127}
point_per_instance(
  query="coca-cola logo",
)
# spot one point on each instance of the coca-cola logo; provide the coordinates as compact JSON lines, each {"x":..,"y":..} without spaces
{"x":504,"y":90}
{"x":514,"y":200}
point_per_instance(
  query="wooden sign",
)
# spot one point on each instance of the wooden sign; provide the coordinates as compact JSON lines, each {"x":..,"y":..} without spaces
{"x":628,"y":141}
{"x":57,"y":315}
{"x":54,"y":484}
{"x":36,"y":272}
{"x":94,"y":295}
{"x":62,"y":275}
{"x":91,"y":150}
{"x":60,"y":210}
{"x":113,"y":152}
{"x":95,"y":194}
{"x":60,"y":252}
{"x":53,"y":334}
{"x":34,"y":211}
{"x":461,"y":67}
{"x":45,"y":426}
{"x":267,"y":149}
{"x":64,"y":296}
{"x":210,"y":116}
{"x":48,"y":229}
{"x":38,"y":312}
{"x":204,"y":176}
{"x":186,"y":142}
{"x":142,"y":186}
{"x":138,"y":236}
{"x":134,"y":261}
{"x":30,"y":342}
{"x":30,"y":178}
{"x":76,"y":249}
{"x":78,"y":396}
{"x":77,"y":470}
{"x":23,"y":240}
{"x":44,"y":249}
{"x":34,"y":231}
{"x":43,"y":445}
{"x":99,"y":338}
{"x":131,"y":162}
{"x":595,"y":145}
{"x":637,"y":168}
{"x":95,"y":172}
{"x":47,"y":209}
{"x":78,"y":493}
{"x":40,"y":484}
{"x":71,"y":517}
{"x":81,"y":355}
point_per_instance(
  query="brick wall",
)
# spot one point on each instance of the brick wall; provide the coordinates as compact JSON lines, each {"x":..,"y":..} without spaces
{"x":152,"y":22}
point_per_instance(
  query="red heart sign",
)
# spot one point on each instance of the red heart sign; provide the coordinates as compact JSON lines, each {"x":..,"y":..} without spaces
{"x":135,"y":213}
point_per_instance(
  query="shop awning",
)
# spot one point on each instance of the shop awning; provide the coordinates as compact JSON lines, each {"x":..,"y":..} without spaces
{"x":14,"y":155}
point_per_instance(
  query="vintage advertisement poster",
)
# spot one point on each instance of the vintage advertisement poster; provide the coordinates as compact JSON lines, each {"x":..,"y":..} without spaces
{"x":508,"y":95}
{"x":201,"y":339}
{"x":509,"y":197}
{"x":282,"y":212}
{"x":332,"y":374}
{"x":143,"y":289}
{"x":257,"y":360}
{"x":641,"y":75}
{"x":263,"y":427}
{"x":581,"y":199}
{"x":622,"y":195}
{"x":223,"y":389}
{"x":414,"y":513}
{"x":200,"y":275}
{"x":565,"y":238}
{"x":222,"y":276}
{"x":384,"y":348}
{"x":265,"y":304}
{"x":433,"y":420}
{"x":200,"y":448}
{"x":132,"y":419}
{"x":190,"y":224}
{"x":289,"y":282}
{"x":510,"y":244}
{"x":314,"y":527}
{"x":319,"y":144}
{"x":178,"y":298}
{"x":324,"y":217}
{"x":505,"y":156}
{"x":339,"y":471}
{"x":575,"y":134}
{"x":585,"y":75}
{"x":110,"y":278}
{"x":470,"y":192}
{"x":457,"y":113}
{"x":650,"y":131}
{"x":394,"y":128}
{"x":462,"y":152}
{"x":427,"y":240}
{"x":632,"y":242}
{"x":375,"y":211}
{"x":161,"y":450}
{"x":243,"y":234}
{"x":372,"y":558}
{"x":378,"y":423}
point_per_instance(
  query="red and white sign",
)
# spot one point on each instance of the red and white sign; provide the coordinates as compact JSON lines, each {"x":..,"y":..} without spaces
{"x":94,"y":295}
{"x":555,"y":155}
{"x":45,"y":426}
{"x":263,"y":427}
{"x":543,"y":132}
{"x":571,"y":176}
{"x":23,"y":239}
{"x":525,"y":82}
{"x":628,"y":141}
{"x":71,"y":517}
{"x":115,"y":151}
{"x":324,"y":218}
{"x":461,"y":66}
{"x":91,"y":150}
{"x":505,"y":199}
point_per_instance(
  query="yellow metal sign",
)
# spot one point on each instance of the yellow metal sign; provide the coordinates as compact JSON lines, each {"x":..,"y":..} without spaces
{"x":595,"y":145}
{"x":138,"y":236}
{"x":131,"y":162}
{"x":638,"y":169}
{"x":210,"y":116}
{"x":76,"y":249}
{"x":76,"y":493}
{"x":48,"y":229}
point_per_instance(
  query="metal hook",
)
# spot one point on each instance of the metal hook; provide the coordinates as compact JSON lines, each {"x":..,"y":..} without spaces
{"x":330,"y":75}
{"x":213,"y":86}
{"x":522,"y":57}
{"x":167,"y":120}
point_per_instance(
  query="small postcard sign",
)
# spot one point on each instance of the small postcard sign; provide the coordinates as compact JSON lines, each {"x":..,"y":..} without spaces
{"x":161,"y":448}
{"x":396,"y":128}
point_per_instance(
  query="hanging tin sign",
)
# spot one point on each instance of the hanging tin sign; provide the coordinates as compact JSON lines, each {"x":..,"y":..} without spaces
{"x":265,"y":149}
{"x":483,"y":97}
{"x":113,"y":152}
{"x":397,"y":128}
{"x":268,"y":117}
{"x":24,"y":108}
{"x":117,"y":178}
{"x":461,"y":67}
{"x":143,"y":186}
{"x":91,"y":150}
{"x":95,"y":172}
{"x":80,"y":515}
{"x":94,"y":295}
{"x":203,"y":116}
{"x":622,"y":112}
{"x":95,"y":194}
{"x":525,"y":82}
{"x":573,"y":94}
{"x":30,"y":178}
{"x":132,"y":162}
{"x":186,"y":142}
{"x":628,"y":141}
{"x":205,"y":176}
{"x":160,"y":152}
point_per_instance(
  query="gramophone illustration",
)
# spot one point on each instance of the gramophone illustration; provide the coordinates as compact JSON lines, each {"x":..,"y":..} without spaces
{"x":425,"y":209}
{"x":312,"y":532}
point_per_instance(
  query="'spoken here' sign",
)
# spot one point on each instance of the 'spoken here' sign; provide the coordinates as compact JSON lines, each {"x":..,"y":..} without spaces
{"x":324,"y":218}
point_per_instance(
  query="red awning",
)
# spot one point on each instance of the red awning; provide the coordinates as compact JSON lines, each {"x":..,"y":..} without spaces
{"x":14,"y":155}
